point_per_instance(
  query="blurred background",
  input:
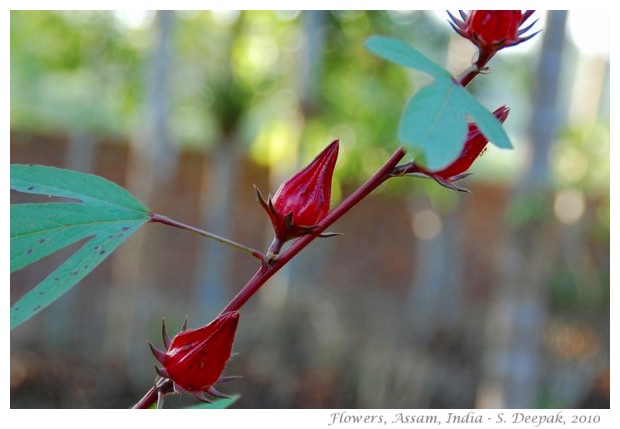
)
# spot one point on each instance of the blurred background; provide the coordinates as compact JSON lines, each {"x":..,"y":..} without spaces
{"x":430,"y":299}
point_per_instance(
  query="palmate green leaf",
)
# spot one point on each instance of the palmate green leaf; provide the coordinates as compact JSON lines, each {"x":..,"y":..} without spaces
{"x":401,"y":53}
{"x":107,"y":215}
{"x":488,"y":124}
{"x":435,"y":119}
{"x":38,"y":230}
{"x":59,"y":182}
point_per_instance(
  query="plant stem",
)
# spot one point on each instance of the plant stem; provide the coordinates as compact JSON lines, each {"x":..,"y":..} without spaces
{"x":478,"y":67}
{"x":154,"y":217}
{"x":148,"y":399}
{"x":162,"y":386}
{"x":266,"y":271}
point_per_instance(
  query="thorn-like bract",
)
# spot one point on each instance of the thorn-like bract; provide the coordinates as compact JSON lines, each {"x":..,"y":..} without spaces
{"x":162,"y":372}
{"x":202,"y":397}
{"x":214,"y":392}
{"x":159,"y":355}
{"x":184,"y":327}
{"x":228,"y":378}
{"x":164,"y":334}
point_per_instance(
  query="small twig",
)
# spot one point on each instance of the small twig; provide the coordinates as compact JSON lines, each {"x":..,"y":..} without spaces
{"x":154,"y":217}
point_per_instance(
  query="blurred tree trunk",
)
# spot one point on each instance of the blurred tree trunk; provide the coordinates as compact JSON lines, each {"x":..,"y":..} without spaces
{"x":152,"y":162}
{"x":518,"y":313}
{"x":217,"y":205}
{"x":311,"y":59}
{"x":437,"y":293}
{"x":219,"y":184}
{"x":311,"y":62}
{"x":436,"y":298}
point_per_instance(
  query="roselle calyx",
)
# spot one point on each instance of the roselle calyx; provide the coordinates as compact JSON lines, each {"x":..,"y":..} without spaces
{"x":195,"y":359}
{"x":302,"y":201}
{"x":492,"y":30}
{"x":474,"y":146}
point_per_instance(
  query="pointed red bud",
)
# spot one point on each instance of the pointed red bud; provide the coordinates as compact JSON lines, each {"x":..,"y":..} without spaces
{"x":195,"y":358}
{"x":492,"y":30}
{"x":303,"y":200}
{"x":307,"y":193}
{"x":474,"y":146}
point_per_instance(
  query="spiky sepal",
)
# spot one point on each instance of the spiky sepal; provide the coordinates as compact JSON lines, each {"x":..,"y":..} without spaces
{"x":448,"y":183}
{"x":284,"y":227}
{"x":165,"y":385}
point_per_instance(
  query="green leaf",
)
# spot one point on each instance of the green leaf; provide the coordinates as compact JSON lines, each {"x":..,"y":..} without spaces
{"x":107,"y":216}
{"x":488,"y":124}
{"x":58,"y":182}
{"x":218,"y":404}
{"x":38,"y":230}
{"x":435,"y":121}
{"x":435,"y":118}
{"x":401,"y":53}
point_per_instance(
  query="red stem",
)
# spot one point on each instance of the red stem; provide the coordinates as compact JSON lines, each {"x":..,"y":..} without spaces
{"x":163,"y":386}
{"x":478,"y":67}
{"x":157,"y":218}
{"x":148,"y":399}
{"x":266,"y":271}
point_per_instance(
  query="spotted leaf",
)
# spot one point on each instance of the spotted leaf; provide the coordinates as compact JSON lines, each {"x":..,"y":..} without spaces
{"x":105,"y":217}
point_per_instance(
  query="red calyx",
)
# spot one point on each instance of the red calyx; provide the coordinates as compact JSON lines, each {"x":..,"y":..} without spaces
{"x":474,"y":146}
{"x":195,"y":359}
{"x":492,"y":30}
{"x":302,"y":201}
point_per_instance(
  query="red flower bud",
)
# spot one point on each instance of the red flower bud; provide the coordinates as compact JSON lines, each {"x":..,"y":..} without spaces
{"x":474,"y":146}
{"x":195,"y":359}
{"x":303,"y":200}
{"x":492,"y":30}
{"x":489,"y":29}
